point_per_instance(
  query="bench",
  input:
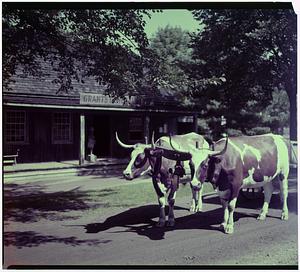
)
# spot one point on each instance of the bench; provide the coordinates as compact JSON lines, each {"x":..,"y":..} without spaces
{"x":11,"y":159}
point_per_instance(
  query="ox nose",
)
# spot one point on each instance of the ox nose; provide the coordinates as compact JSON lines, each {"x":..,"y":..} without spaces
{"x":127,"y":175}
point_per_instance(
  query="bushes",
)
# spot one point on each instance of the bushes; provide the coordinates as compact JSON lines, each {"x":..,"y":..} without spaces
{"x":258,"y":131}
{"x":234,"y":132}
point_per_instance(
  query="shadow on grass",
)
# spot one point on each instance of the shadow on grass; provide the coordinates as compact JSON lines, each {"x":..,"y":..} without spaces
{"x":21,"y":239}
{"x":140,"y":220}
{"x":29,"y":203}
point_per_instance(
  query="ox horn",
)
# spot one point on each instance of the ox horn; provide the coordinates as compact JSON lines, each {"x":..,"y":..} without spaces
{"x":218,"y":153}
{"x":122,"y":144}
{"x":152,"y":140}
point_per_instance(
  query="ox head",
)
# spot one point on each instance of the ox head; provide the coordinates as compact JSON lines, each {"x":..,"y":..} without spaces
{"x":139,"y":162}
{"x":209,"y":169}
{"x":205,"y":161}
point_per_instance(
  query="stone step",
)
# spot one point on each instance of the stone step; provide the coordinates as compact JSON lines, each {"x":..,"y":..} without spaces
{"x":95,"y":169}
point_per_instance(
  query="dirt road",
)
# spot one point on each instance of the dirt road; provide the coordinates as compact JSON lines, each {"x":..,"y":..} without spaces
{"x":129,"y":236}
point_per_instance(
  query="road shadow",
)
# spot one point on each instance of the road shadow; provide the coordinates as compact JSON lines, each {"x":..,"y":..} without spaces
{"x":133,"y":216}
{"x":29,"y":202}
{"x":22,"y":239}
{"x":256,"y":204}
{"x":141,"y":221}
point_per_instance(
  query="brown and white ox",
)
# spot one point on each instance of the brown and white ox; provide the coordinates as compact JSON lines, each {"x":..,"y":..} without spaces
{"x":245,"y":162}
{"x":166,"y":184}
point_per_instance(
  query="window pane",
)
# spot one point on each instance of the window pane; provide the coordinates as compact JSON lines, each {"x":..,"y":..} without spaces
{"x":136,"y":128}
{"x":15,"y":126}
{"x":61,"y":128}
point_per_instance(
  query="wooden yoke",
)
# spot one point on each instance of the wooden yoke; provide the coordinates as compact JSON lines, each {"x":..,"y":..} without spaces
{"x":170,"y":154}
{"x":173,"y":155}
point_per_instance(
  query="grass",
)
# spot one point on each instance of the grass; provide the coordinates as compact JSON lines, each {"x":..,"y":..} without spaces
{"x":132,"y":195}
{"x":30,"y":204}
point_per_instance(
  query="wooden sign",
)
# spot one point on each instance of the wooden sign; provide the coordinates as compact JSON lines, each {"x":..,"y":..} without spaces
{"x":101,"y":99}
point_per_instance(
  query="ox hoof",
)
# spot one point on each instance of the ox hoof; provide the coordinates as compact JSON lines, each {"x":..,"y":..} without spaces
{"x":222,"y":227}
{"x":171,"y":223}
{"x":228,"y":229}
{"x":198,"y":209}
{"x":192,"y":208}
{"x":284,"y":216}
{"x":261,"y":217}
{"x":195,"y":209}
{"x":160,"y":224}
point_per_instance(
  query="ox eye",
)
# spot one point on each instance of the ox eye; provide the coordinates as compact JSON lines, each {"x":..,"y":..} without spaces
{"x":203,"y":165}
{"x":139,"y":158}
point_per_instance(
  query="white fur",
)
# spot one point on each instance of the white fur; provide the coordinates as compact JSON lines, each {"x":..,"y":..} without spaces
{"x":255,"y":152}
{"x":282,"y":155}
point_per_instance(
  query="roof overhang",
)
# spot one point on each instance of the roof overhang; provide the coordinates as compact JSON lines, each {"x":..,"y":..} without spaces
{"x":81,"y":107}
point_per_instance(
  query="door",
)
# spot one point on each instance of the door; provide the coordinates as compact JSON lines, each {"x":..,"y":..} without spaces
{"x":102,"y":129}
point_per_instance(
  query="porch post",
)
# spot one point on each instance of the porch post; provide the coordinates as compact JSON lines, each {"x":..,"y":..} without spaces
{"x":82,"y":139}
{"x":146,"y":129}
{"x":195,"y":122}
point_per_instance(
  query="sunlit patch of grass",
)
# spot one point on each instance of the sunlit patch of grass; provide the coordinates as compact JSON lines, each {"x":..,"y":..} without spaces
{"x":31,"y":204}
{"x":132,"y":195}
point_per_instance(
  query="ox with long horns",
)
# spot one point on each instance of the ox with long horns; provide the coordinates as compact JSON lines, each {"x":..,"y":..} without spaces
{"x":165,"y":180}
{"x":245,"y":162}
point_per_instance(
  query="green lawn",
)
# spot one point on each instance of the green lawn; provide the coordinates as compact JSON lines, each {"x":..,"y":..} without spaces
{"x":132,"y":195}
{"x":31,"y":206}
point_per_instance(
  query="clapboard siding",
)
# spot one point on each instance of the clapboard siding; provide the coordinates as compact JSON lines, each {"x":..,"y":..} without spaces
{"x":39,"y":147}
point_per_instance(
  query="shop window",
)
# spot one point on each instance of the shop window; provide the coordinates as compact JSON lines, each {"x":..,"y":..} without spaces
{"x":61,"y":128}
{"x":15,"y":127}
{"x":136,"y":129}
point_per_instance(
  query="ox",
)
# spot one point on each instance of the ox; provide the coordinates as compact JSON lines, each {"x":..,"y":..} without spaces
{"x":245,"y":162}
{"x":165,"y":181}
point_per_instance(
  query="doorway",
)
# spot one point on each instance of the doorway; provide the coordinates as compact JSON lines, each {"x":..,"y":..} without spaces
{"x":102,"y":127}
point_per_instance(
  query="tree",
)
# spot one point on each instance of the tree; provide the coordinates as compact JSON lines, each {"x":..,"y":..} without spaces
{"x":107,"y":44}
{"x":171,"y":46}
{"x":242,"y":56}
{"x":276,"y":115}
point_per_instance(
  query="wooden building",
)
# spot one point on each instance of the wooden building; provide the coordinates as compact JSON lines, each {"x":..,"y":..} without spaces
{"x":48,"y":126}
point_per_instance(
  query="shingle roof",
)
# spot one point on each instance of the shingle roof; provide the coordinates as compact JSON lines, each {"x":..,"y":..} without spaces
{"x":42,"y":90}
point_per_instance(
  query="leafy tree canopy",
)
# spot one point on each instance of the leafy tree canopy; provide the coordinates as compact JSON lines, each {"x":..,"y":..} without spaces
{"x":108,"y":44}
{"x":242,"y":56}
{"x":171,"y":46}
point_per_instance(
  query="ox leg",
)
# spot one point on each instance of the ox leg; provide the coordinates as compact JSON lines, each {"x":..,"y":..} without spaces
{"x":196,"y":205}
{"x":162,"y":205}
{"x":225,"y":213}
{"x":268,"y":191}
{"x":161,"y":194}
{"x":162,"y":212}
{"x":284,"y":195}
{"x":229,"y":208}
{"x":171,"y":201}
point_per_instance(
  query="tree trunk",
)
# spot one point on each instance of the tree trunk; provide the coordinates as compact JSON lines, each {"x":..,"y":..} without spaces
{"x":292,"y":94}
{"x":293,"y":118}
{"x":82,"y":140}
